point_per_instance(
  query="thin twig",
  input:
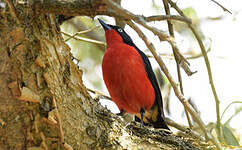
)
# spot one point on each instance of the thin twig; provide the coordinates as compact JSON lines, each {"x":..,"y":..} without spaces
{"x":171,"y":56}
{"x":167,"y":17}
{"x":205,"y":56}
{"x":225,"y":9}
{"x":208,"y":69}
{"x":84,"y":39}
{"x":183,"y":128}
{"x":161,"y":34}
{"x":163,"y":67}
{"x":99,"y":94}
{"x":171,"y":31}
{"x":81,"y":32}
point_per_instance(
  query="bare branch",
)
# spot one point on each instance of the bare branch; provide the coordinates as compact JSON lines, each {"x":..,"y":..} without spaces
{"x":99,"y":94}
{"x":205,"y":56}
{"x":83,"y":8}
{"x":72,"y":8}
{"x":168,"y":17}
{"x":171,"y":56}
{"x":171,"y":31}
{"x":82,"y":32}
{"x":183,"y":129}
{"x":84,"y":39}
{"x":225,"y":9}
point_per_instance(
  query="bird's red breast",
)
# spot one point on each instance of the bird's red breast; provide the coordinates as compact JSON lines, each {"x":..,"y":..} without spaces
{"x":125,"y":76}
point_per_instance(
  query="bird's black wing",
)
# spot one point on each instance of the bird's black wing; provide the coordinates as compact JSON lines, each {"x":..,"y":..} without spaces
{"x":159,"y":123}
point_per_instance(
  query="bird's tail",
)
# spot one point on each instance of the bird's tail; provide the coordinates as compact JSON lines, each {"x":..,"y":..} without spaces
{"x":154,"y":117}
{"x":160,"y":123}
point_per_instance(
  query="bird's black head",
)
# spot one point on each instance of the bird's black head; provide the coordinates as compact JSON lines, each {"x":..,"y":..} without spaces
{"x":111,"y":35}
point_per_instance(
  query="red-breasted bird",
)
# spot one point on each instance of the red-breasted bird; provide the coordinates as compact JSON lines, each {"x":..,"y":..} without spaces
{"x":129,"y":78}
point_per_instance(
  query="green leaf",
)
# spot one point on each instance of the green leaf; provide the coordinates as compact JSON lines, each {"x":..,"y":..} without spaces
{"x":229,"y":136}
{"x":191,"y":13}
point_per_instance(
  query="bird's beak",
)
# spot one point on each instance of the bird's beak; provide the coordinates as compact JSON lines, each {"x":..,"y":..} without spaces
{"x":105,"y":26}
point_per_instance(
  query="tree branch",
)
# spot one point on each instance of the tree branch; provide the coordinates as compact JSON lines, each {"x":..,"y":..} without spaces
{"x":83,"y":38}
{"x":205,"y":56}
{"x":224,"y":9}
{"x":90,"y":8}
{"x":171,"y":31}
{"x":72,"y":8}
{"x":82,"y":32}
{"x":183,"y":129}
{"x":167,"y":17}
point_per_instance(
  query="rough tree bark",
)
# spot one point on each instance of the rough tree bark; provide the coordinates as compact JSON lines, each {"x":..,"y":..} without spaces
{"x":43,"y":102}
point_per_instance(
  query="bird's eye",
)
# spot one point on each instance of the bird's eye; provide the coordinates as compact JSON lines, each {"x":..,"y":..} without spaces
{"x":120,"y":30}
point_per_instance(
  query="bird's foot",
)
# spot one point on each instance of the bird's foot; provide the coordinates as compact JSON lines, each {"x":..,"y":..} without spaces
{"x":142,"y":112}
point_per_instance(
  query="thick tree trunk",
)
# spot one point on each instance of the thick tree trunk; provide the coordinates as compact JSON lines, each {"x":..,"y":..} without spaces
{"x":43,"y":102}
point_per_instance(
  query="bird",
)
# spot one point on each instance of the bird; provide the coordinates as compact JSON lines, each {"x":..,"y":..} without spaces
{"x":129,"y":78}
